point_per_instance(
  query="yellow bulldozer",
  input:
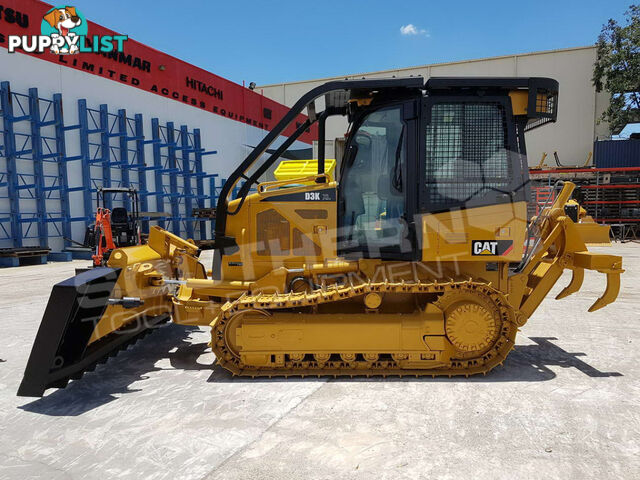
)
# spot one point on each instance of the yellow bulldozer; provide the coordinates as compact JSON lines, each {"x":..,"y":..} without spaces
{"x":416,"y":259}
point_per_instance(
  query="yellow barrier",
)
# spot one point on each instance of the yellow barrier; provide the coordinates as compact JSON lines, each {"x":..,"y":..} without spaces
{"x":292,"y":169}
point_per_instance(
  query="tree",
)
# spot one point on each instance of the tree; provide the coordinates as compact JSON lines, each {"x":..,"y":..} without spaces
{"x":617,"y":69}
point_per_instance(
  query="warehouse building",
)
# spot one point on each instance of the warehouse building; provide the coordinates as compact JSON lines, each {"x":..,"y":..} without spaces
{"x":579,"y":109}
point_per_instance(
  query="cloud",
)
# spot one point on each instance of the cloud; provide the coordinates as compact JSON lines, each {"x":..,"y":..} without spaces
{"x":411,"y":29}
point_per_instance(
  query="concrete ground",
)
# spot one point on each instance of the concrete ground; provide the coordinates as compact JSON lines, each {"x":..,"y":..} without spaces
{"x":566,"y":404}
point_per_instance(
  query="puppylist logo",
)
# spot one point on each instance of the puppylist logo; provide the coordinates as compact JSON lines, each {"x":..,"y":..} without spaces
{"x":64,"y":26}
{"x":64,"y":31}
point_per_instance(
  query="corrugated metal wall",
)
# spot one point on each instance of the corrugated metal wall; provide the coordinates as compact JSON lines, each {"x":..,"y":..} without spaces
{"x":616,"y":153}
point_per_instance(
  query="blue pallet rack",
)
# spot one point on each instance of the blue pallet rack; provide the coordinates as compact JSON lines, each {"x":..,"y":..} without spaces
{"x":34,"y":166}
{"x":177,"y":159}
{"x":112,"y":147}
{"x":35,"y":176}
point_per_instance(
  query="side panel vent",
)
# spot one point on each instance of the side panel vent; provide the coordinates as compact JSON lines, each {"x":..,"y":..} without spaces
{"x":272,"y":233}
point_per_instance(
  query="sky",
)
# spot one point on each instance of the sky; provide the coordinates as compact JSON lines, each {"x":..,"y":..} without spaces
{"x":281,"y":41}
{"x":628,"y":130}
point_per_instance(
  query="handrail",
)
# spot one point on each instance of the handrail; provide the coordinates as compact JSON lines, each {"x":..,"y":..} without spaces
{"x":267,"y":186}
{"x":544,"y":213}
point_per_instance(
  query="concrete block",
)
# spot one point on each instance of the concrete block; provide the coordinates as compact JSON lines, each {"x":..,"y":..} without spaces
{"x":34,"y":260}
{"x":81,"y":255}
{"x":60,"y":256}
{"x":9,"y":262}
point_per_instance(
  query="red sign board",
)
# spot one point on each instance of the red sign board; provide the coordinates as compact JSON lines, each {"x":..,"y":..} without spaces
{"x":142,"y":67}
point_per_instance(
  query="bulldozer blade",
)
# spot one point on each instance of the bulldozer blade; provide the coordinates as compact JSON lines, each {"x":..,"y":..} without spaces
{"x":61,"y":350}
{"x":610,"y":294}
{"x":594,"y":234}
{"x":74,"y":306}
{"x":577,"y":278}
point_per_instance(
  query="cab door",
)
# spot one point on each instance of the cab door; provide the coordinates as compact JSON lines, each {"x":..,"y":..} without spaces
{"x":377,"y":193}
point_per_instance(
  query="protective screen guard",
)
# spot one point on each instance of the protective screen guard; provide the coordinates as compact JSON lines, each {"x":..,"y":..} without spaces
{"x":471,"y":156}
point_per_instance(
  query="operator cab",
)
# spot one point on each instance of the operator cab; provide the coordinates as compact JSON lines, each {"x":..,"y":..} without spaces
{"x":413,"y":149}
{"x":124,"y":221}
{"x":456,"y":144}
{"x":124,"y":227}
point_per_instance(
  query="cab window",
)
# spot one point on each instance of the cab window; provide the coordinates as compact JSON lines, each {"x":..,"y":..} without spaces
{"x":372,"y":190}
{"x":467,"y":160}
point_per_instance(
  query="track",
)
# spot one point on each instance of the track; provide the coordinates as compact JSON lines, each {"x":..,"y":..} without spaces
{"x":346,"y":363}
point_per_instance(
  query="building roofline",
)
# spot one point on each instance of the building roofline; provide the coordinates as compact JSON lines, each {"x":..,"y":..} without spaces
{"x":438,"y":64}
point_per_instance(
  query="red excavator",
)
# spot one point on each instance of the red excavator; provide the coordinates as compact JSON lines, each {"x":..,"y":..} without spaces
{"x":115,"y":228}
